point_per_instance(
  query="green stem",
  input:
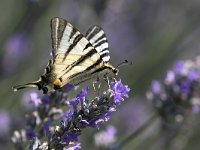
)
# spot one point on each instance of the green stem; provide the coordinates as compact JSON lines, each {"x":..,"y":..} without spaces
{"x":135,"y":133}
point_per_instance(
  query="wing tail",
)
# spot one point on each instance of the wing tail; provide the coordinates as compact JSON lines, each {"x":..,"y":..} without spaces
{"x":28,"y":85}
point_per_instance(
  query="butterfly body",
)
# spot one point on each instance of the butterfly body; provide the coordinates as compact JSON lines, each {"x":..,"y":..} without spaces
{"x":76,"y":58}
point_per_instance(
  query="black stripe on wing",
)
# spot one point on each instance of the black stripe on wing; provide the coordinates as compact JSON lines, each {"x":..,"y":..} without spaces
{"x":71,"y":47}
{"x":88,"y":69}
{"x":82,"y":59}
{"x":97,"y":38}
{"x":57,"y":28}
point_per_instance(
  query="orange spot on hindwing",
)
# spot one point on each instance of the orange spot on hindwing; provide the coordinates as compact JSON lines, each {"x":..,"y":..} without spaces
{"x":57,"y":82}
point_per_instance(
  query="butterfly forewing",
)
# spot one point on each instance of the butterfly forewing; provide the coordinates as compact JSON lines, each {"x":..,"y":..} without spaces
{"x":98,"y":39}
{"x":74,"y":54}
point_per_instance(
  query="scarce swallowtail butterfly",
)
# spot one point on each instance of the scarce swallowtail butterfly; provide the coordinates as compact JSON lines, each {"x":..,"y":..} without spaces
{"x":76,"y":58}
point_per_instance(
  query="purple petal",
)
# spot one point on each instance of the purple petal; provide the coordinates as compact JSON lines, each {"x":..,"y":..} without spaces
{"x":30,"y":134}
{"x":45,"y":100}
{"x":46,"y":125}
{"x":193,"y":75}
{"x":178,"y":67}
{"x":82,"y":94}
{"x":155,"y":87}
{"x":67,"y":116}
{"x":68,"y":87}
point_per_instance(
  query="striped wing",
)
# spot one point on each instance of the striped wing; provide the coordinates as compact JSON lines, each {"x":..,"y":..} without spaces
{"x":73,"y":53}
{"x":97,"y":38}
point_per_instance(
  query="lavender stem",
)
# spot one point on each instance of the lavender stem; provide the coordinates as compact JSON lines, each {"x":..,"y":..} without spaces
{"x":135,"y":133}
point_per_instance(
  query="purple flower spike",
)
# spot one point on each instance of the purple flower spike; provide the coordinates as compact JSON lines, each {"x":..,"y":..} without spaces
{"x":82,"y":94}
{"x":74,"y":102}
{"x":80,"y":97}
{"x":119,"y":91}
{"x":76,"y":146}
{"x":46,"y":125}
{"x":45,"y":100}
{"x":68,"y":87}
{"x":67,"y":116}
{"x":70,"y":137}
{"x":30,"y":134}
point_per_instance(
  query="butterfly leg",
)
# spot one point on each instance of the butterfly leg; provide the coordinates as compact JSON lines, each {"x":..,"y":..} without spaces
{"x":106,"y":78}
{"x":96,"y":82}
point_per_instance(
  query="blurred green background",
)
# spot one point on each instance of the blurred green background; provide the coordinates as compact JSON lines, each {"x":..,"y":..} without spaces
{"x":152,"y":34}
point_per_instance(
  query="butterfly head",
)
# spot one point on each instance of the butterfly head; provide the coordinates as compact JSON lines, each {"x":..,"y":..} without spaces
{"x":110,"y":71}
{"x":115,"y":71}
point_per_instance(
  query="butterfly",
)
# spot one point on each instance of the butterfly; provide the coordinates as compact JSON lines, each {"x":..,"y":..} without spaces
{"x":76,"y":58}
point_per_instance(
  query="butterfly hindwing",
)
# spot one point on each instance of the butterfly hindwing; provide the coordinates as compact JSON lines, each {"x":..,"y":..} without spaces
{"x":98,"y":39}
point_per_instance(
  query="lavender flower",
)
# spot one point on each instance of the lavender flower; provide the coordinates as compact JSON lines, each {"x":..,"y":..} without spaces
{"x":178,"y":92}
{"x":30,"y":134}
{"x":5,"y":123}
{"x":106,"y":138}
{"x":16,"y":47}
{"x":119,"y":91}
{"x":31,"y":99}
{"x":81,"y":114}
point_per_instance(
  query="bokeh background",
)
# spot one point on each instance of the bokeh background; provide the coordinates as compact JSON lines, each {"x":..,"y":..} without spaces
{"x":152,"y":34}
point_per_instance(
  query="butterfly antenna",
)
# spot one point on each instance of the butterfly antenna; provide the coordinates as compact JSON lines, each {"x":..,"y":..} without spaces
{"x":125,"y":62}
{"x":31,"y":84}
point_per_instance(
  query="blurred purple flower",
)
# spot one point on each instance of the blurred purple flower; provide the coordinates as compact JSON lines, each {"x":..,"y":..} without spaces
{"x":155,"y":87}
{"x":135,"y":109}
{"x":119,"y":91}
{"x":30,"y":99}
{"x":170,"y":77}
{"x":30,"y":134}
{"x":185,"y":87}
{"x":179,"y":67}
{"x":17,"y":46}
{"x":46,"y":125}
{"x":34,"y":99}
{"x":196,"y":109}
{"x":45,"y":99}
{"x":195,"y":105}
{"x":180,"y":91}
{"x":193,"y":75}
{"x":106,"y":138}
{"x":5,"y":123}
